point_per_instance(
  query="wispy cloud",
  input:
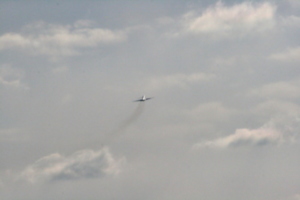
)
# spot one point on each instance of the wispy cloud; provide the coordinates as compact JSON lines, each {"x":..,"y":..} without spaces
{"x":290,"y":55}
{"x":11,"y":77}
{"x":290,"y":21}
{"x":179,"y":80}
{"x":80,"y":165}
{"x":210,"y":112}
{"x":58,"y":40}
{"x":278,"y":90}
{"x":224,"y":20}
{"x":60,"y":70}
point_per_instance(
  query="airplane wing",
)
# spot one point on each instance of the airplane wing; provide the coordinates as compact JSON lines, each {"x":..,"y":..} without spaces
{"x":142,"y":99}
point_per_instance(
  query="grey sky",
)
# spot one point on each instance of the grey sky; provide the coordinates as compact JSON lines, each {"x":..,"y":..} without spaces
{"x":224,"y":123}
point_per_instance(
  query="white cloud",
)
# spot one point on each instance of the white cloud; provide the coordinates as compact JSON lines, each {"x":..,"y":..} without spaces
{"x":81,"y":164}
{"x":11,"y":40}
{"x":241,"y":137}
{"x":178,"y":80}
{"x":227,"y":20}
{"x":279,"y":130}
{"x":58,"y":40}
{"x":290,"y":55}
{"x":11,"y":77}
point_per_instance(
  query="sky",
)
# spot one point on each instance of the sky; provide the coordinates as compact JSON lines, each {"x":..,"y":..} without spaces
{"x":223,"y":123}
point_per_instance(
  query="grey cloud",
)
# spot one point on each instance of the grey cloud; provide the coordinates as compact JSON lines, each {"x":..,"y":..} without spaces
{"x":296,"y":197}
{"x":10,"y":134}
{"x":289,"y":55}
{"x":216,"y":91}
{"x":278,"y":90}
{"x":80,"y":165}
{"x":180,"y":80}
{"x":294,"y":3}
{"x":290,"y":21}
{"x":276,"y":107}
{"x":210,"y":112}
{"x":12,"y":77}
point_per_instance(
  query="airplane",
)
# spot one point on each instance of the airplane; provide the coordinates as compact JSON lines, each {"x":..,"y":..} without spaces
{"x":143,"y":99}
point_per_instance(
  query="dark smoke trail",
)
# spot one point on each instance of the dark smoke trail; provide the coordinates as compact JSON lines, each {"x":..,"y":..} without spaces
{"x":122,"y":127}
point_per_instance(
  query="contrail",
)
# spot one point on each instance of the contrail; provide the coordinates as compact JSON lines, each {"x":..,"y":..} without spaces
{"x":127,"y":122}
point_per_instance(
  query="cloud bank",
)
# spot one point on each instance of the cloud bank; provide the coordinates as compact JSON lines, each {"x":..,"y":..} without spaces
{"x":80,"y":165}
{"x":58,"y":40}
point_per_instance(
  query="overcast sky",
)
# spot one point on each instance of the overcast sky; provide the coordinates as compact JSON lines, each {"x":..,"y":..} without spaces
{"x":223,"y":124}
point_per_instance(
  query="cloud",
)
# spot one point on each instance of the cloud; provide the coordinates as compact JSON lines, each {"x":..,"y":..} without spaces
{"x":179,"y":80}
{"x":227,"y":20}
{"x":290,"y":55}
{"x":278,"y":90}
{"x":242,"y":137}
{"x":294,"y":3}
{"x":60,"y":70}
{"x":291,"y":21}
{"x":58,"y":40}
{"x":11,"y":134}
{"x":296,"y":197}
{"x":11,"y":77}
{"x":279,"y":130}
{"x":80,"y":165}
{"x":210,"y":112}
{"x":275,"y":108}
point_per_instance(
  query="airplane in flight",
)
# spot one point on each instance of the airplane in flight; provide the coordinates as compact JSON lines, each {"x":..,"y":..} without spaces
{"x":143,"y":99}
